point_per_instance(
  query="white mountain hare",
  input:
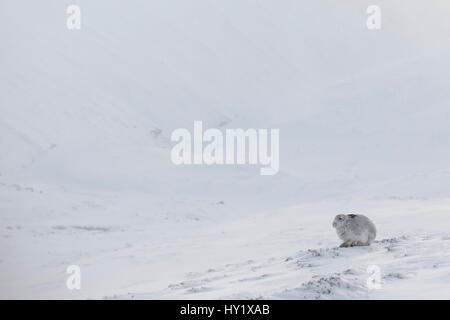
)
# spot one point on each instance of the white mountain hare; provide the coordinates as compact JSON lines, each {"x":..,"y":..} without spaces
{"x":354,"y":229}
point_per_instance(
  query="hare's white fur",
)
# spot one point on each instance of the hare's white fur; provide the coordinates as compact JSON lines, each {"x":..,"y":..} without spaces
{"x":354,"y":229}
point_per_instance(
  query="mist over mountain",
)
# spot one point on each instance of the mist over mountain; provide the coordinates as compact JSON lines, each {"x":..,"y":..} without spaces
{"x":362,"y":114}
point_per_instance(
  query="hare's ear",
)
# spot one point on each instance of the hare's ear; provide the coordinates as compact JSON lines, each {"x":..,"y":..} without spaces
{"x":351,"y":215}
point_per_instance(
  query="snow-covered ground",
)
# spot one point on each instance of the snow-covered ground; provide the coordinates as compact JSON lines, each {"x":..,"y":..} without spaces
{"x":85,"y":171}
{"x":135,"y":246}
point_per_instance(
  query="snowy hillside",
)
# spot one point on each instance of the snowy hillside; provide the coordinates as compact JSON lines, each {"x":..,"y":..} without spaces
{"x":86,"y":177}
